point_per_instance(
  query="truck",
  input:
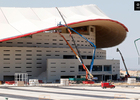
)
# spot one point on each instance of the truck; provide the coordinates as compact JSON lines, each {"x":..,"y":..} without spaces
{"x":105,"y":85}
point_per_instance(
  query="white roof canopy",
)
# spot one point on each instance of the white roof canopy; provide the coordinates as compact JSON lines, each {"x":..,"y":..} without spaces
{"x":19,"y":22}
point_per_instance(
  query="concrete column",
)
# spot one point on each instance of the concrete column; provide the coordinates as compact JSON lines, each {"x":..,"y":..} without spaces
{"x":111,"y":77}
{"x":102,"y":68}
{"x":102,"y":77}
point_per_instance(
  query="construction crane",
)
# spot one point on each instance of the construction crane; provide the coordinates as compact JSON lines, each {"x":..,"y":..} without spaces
{"x":92,"y":44}
{"x":137,"y":50}
{"x":127,"y":74}
{"x":136,"y":46}
{"x":78,"y":55}
{"x":86,"y":69}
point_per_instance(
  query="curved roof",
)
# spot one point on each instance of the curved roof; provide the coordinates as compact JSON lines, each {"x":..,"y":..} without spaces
{"x":19,"y":22}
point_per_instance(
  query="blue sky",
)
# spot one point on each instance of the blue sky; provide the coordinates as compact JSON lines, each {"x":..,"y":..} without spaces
{"x":120,"y":10}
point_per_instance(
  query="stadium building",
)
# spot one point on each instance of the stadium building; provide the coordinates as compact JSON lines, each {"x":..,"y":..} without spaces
{"x":30,"y":44}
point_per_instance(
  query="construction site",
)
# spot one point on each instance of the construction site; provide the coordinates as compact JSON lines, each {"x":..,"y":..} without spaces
{"x":47,"y":54}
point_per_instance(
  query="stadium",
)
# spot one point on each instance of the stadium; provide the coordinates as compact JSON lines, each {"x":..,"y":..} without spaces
{"x":30,"y":44}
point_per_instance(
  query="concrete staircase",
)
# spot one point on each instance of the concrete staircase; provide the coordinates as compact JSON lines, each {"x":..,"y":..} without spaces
{"x":42,"y":77}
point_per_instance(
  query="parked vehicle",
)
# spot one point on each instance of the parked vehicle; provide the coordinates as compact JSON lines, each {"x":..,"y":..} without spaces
{"x":107,"y":85}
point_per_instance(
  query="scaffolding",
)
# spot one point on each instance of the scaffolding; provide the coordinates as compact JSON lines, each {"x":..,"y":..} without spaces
{"x":21,"y":77}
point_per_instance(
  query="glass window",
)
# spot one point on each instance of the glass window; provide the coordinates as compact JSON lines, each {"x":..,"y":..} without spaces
{"x":39,"y":54}
{"x":38,"y":43}
{"x":57,"y":51}
{"x":17,"y":67}
{"x":28,"y":67}
{"x":68,"y":56}
{"x":72,"y":67}
{"x":38,"y":51}
{"x":28,"y":54}
{"x":53,"y":67}
{"x":6,"y":58}
{"x":28,"y":50}
{"x":28,"y":58}
{"x":17,"y":58}
{"x":20,"y":42}
{"x":6,"y":54}
{"x":29,"y":42}
{"x":107,"y":68}
{"x":54,"y":44}
{"x":46,"y":43}
{"x":39,"y":59}
{"x":29,"y":36}
{"x":9,"y":42}
{"x":72,"y":71}
{"x":28,"y":62}
{"x":18,"y":50}
{"x":89,"y":57}
{"x":48,"y":51}
{"x":48,"y":55}
{"x":28,"y":71}
{"x":6,"y":67}
{"x":39,"y":67}
{"x":38,"y":63}
{"x":97,"y":68}
{"x":17,"y":54}
{"x":6,"y":50}
{"x":54,"y":39}
{"x":63,"y":71}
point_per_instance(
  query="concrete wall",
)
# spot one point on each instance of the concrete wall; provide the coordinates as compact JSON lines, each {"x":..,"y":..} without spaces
{"x":46,"y":39}
{"x":69,"y":67}
{"x":32,"y":60}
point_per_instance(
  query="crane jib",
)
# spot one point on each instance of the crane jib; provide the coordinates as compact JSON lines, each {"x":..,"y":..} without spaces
{"x":80,"y":58}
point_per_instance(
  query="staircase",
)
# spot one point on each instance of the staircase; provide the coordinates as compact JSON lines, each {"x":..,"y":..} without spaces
{"x":42,"y":77}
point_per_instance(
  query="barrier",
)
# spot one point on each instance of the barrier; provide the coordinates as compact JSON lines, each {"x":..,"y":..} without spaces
{"x":10,"y":82}
{"x":131,"y":80}
{"x":88,"y":82}
{"x":33,"y":82}
{"x":20,"y":83}
{"x":64,"y":82}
